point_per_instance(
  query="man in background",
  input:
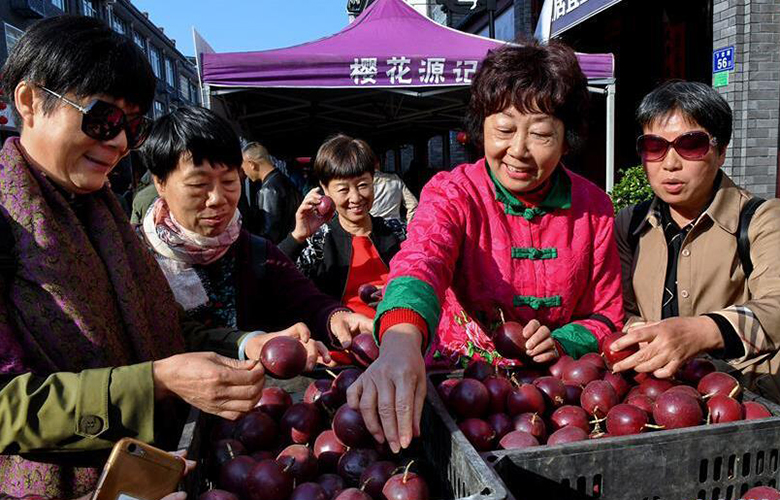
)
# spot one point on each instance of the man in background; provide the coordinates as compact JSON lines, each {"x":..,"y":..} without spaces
{"x":272,"y":206}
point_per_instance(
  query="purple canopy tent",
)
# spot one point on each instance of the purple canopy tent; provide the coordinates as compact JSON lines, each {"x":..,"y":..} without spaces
{"x":390,"y":76}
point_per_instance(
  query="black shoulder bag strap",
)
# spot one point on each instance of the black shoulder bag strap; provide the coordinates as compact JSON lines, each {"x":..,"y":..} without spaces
{"x":743,"y":242}
{"x":638,"y":214}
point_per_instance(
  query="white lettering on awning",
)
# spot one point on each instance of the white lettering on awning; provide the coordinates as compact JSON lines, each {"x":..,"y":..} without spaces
{"x":399,"y":68}
{"x":363,"y":70}
{"x":432,"y":70}
{"x":464,"y":70}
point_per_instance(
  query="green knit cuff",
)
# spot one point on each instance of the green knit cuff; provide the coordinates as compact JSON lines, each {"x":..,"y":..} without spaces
{"x":410,"y":293}
{"x":576,"y":340}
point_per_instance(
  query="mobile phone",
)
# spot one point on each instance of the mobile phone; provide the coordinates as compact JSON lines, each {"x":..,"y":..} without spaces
{"x":138,"y":471}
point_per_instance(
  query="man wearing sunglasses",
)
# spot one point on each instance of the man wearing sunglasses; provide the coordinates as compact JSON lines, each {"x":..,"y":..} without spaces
{"x":700,"y":261}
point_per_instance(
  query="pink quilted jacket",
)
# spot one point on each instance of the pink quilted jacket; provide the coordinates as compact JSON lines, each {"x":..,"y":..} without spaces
{"x":473,"y":250}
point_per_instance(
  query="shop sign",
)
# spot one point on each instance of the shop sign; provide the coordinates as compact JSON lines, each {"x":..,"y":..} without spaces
{"x":467,"y":6}
{"x":400,"y":70}
{"x":568,"y":13}
{"x":720,"y":79}
{"x":723,"y":59}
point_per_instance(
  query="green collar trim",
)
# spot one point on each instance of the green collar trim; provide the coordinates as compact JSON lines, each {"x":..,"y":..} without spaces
{"x":534,"y":253}
{"x":559,"y":196}
{"x":537,"y":302}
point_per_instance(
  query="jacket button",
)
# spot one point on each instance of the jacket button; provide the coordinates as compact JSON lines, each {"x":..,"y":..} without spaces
{"x":91,"y":425}
{"x":684,"y":294}
{"x":686,"y":252}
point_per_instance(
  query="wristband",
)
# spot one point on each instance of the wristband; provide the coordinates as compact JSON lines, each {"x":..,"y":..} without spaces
{"x":242,"y":345}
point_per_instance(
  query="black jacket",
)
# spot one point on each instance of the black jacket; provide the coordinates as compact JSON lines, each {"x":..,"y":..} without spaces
{"x":325,"y":257}
{"x":277,"y":201}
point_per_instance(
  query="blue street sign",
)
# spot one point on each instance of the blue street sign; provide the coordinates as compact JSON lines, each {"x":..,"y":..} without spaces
{"x":723,"y":59}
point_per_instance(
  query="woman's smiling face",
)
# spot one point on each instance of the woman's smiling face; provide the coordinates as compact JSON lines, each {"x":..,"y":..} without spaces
{"x":523,"y":150}
{"x":353,"y":197}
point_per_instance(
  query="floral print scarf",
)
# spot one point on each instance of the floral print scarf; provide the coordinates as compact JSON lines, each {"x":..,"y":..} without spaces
{"x":177,"y":250}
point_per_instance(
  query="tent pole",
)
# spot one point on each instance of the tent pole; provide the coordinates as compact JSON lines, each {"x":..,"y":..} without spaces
{"x":610,"y":177}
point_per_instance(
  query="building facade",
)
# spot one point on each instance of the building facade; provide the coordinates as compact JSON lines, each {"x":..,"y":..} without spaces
{"x":177,"y":79}
{"x":752,"y":27}
{"x":654,"y":41}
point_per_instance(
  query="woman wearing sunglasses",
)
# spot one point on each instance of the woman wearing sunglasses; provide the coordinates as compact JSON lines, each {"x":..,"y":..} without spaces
{"x":92,"y":347}
{"x":514,"y":236}
{"x":687,"y":289}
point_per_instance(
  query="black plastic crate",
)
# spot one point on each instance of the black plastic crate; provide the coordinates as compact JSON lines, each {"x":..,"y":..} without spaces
{"x":710,"y":462}
{"x":453,"y":468}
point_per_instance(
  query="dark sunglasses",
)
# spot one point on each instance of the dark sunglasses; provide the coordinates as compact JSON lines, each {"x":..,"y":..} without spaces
{"x":103,"y":121}
{"x":690,"y":146}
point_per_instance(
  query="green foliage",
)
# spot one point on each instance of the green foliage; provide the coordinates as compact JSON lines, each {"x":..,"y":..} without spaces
{"x":631,"y":189}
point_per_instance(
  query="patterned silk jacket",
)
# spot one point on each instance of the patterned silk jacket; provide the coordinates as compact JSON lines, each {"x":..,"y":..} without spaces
{"x":474,"y":252}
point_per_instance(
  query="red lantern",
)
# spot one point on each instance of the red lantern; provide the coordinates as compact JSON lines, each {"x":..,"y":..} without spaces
{"x":3,"y":120}
{"x":2,"y":105}
{"x":462,"y":137}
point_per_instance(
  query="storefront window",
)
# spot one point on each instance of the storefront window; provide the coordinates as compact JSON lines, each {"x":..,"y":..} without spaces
{"x":159,"y":109}
{"x":505,"y":26}
{"x":170,"y":76}
{"x":88,"y":8}
{"x":184,"y":87}
{"x":194,"y":94}
{"x":117,"y":24}
{"x":139,"y":40}
{"x":60,"y":4}
{"x":12,"y":35}
{"x":154,"y":60}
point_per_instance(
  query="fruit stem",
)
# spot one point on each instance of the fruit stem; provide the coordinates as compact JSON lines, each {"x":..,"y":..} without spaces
{"x":501,"y":313}
{"x":653,"y":426}
{"x":365,"y":483}
{"x":230,"y":451}
{"x":329,"y":372}
{"x":734,"y":391}
{"x":406,"y":471}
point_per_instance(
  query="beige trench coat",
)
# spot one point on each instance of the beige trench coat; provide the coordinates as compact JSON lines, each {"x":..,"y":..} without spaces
{"x":710,"y":278}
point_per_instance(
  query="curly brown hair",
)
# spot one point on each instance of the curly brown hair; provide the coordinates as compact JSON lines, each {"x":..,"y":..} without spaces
{"x":533,"y":78}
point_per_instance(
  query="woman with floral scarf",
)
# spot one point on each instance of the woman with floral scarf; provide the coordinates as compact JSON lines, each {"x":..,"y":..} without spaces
{"x":222,"y":275}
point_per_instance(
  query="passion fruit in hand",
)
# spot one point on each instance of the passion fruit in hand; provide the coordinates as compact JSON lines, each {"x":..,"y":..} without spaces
{"x":326,"y":208}
{"x":283,"y":357}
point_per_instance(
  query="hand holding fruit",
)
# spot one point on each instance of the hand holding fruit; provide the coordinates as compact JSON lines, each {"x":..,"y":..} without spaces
{"x":215,"y":384}
{"x":345,"y":325}
{"x":391,"y":392}
{"x":539,"y":344}
{"x":670,"y":343}
{"x":315,"y":350}
{"x":370,"y":294}
{"x":315,"y":210}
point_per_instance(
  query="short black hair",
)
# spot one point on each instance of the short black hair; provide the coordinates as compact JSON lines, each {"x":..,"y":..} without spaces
{"x":696,"y":101}
{"x":79,"y":55}
{"x":344,"y":157}
{"x":190,"y":130}
{"x":534,"y":78}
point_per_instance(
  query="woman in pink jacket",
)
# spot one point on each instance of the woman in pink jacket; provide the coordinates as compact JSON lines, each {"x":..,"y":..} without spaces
{"x":515,"y":234}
